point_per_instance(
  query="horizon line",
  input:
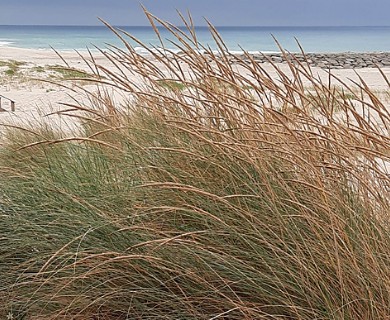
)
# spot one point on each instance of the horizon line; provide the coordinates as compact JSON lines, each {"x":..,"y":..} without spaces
{"x":199,"y":26}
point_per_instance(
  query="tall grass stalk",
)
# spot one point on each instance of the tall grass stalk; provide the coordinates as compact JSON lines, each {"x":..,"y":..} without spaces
{"x":237,"y":196}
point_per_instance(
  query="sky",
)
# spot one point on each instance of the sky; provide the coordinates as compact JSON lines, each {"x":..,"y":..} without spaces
{"x":219,"y":12}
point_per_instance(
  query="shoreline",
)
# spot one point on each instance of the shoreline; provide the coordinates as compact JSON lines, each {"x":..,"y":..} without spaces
{"x":323,"y":60}
{"x":41,"y":56}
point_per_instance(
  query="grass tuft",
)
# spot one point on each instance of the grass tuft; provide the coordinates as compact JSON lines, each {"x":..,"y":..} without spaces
{"x":13,"y":66}
{"x":232,"y":199}
{"x":66,"y":73}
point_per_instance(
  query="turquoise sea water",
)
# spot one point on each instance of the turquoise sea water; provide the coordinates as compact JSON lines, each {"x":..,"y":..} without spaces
{"x":313,"y":39}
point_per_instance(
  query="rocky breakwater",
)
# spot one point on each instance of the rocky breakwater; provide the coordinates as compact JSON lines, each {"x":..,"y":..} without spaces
{"x":347,"y":60}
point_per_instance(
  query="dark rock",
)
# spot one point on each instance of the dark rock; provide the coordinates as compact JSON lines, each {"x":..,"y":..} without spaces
{"x":277,"y":59}
{"x":328,"y":61}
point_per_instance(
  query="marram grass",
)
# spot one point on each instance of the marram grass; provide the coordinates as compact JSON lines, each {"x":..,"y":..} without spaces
{"x":238,"y":196}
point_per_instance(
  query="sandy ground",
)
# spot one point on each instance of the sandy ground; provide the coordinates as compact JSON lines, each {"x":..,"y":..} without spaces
{"x":35,"y":99}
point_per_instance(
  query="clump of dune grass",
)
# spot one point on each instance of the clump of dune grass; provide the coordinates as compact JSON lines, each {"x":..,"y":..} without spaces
{"x":12,"y":67}
{"x":208,"y":202}
{"x":67,"y":73}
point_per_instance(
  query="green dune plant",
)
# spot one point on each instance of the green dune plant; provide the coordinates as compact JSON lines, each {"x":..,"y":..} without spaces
{"x":67,"y":73}
{"x":12,"y":65}
{"x":229,"y":197}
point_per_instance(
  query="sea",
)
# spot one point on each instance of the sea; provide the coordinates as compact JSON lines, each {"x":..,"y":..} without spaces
{"x":236,"y":39}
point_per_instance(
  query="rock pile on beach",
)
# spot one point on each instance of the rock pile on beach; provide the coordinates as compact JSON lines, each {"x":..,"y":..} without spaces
{"x":347,"y":60}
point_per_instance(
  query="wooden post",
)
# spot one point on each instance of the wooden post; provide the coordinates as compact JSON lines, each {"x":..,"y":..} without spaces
{"x":11,"y":102}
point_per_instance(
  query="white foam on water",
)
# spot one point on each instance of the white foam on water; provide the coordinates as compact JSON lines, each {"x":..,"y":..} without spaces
{"x":254,"y":52}
{"x":5,"y":43}
{"x":143,"y":51}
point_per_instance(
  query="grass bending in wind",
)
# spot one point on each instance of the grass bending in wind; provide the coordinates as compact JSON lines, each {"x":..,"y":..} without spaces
{"x":214,"y":201}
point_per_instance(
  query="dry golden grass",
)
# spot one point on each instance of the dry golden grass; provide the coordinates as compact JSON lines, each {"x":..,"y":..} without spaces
{"x":231,"y":198}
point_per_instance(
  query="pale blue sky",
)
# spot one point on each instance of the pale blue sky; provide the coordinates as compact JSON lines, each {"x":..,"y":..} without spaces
{"x":219,"y":12}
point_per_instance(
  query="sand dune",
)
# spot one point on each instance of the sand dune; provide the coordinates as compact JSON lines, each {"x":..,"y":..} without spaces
{"x":34,"y":98}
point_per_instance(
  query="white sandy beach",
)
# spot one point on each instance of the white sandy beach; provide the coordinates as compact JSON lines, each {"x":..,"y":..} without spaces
{"x":34,"y":99}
